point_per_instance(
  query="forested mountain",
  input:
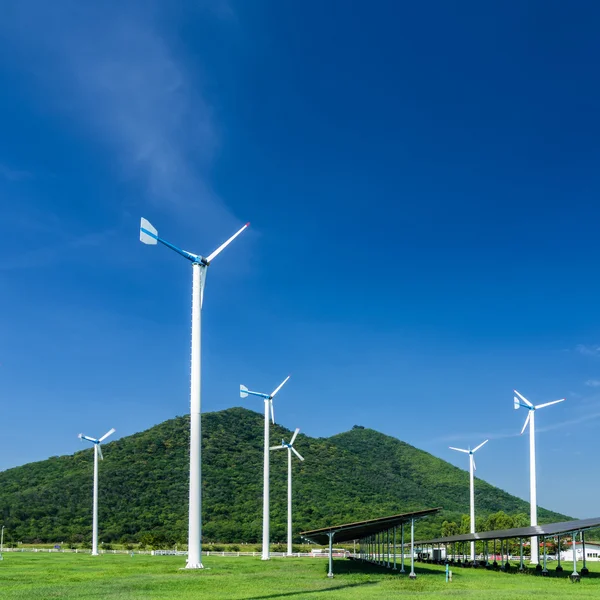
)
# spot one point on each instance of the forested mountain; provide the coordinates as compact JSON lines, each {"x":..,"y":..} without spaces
{"x":359,"y":474}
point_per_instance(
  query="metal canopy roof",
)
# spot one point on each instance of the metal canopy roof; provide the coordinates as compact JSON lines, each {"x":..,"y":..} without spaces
{"x":361,"y":529}
{"x":519,"y":532}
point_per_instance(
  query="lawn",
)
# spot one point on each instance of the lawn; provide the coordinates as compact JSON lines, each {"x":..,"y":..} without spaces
{"x":28,"y":576}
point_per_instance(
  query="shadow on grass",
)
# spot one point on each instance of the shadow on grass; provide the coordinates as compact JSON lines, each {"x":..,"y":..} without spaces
{"x":305,"y":592}
{"x":552,"y":573}
{"x":530,"y":571}
{"x":357,"y":566}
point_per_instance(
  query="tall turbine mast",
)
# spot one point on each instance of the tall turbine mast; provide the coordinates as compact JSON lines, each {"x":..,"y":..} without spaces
{"x":97,"y":454}
{"x":149,"y":235}
{"x":268,"y":398}
{"x":522,"y":402}
{"x":290,"y":449}
{"x":472,"y":469}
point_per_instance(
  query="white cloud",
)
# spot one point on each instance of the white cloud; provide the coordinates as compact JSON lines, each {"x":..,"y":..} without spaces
{"x":10,"y":174}
{"x":110,"y":69}
{"x":588,"y":350}
{"x":593,"y":382}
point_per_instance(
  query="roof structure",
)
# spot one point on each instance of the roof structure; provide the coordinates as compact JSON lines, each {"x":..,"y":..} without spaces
{"x":519,"y":532}
{"x":361,"y":529}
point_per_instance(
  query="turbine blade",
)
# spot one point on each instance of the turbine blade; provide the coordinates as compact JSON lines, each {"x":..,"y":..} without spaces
{"x":549,"y":403}
{"x":294,"y":436}
{"x":523,"y":398}
{"x":459,"y":449}
{"x":272,"y":412}
{"x":296,"y":453}
{"x":276,"y":447}
{"x":526,"y":421}
{"x":148,"y":235}
{"x":202,"y":284}
{"x":243,"y":391}
{"x":88,"y":438}
{"x":482,"y":444}
{"x":474,"y":465}
{"x":107,"y":434}
{"x":99,"y":451}
{"x":279,"y":386}
{"x":225,"y":244}
{"x":517,"y":404}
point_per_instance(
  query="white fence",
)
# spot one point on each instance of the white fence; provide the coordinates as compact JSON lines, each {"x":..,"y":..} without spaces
{"x":178,"y":552}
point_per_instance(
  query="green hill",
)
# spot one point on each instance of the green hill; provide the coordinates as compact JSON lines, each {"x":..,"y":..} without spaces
{"x":355,"y":475}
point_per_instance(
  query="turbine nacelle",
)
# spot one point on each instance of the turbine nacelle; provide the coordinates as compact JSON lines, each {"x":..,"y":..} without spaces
{"x":289,"y":445}
{"x":521,"y":401}
{"x":96,"y":441}
{"x":245,"y":392}
{"x":149,"y":235}
{"x":470,"y":452}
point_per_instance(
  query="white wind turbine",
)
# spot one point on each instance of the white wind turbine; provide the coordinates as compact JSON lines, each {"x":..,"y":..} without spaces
{"x":290,"y":449}
{"x":268,"y":398}
{"x":149,"y":235}
{"x":472,"y":468}
{"x":519,"y":402}
{"x":97,"y":453}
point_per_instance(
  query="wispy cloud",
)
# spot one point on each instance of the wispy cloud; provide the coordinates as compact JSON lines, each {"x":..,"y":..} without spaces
{"x":11,"y":174}
{"x":591,"y":413}
{"x":47,"y":255}
{"x":593,"y":383}
{"x":111,"y":69}
{"x":588,"y":350}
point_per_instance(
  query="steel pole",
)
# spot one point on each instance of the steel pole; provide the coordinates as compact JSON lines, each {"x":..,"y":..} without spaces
{"x":402,"y":544}
{"x":289,"y":507}
{"x":412,"y":549}
{"x":265,"y":538}
{"x":95,"y":505}
{"x":585,"y":570}
{"x":194,"y":560}
{"x":574,"y":574}
{"x":472,"y":503}
{"x":535,"y":549}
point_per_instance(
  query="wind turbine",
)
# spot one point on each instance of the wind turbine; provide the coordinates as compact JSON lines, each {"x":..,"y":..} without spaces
{"x":472,"y":469}
{"x":149,"y":235}
{"x":519,"y":402}
{"x":97,"y":453}
{"x":290,"y":449}
{"x":268,"y":398}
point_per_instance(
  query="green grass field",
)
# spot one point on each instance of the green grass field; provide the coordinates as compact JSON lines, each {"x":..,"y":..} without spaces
{"x":118,"y":577}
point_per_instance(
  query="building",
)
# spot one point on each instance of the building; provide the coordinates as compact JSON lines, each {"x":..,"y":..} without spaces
{"x":592,"y":552}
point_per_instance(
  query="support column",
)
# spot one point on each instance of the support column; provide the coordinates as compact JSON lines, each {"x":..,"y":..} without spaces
{"x":412,"y":549}
{"x":394,"y":548}
{"x":574,"y":574}
{"x":522,"y":562}
{"x":402,"y":544}
{"x":559,"y":568}
{"x":388,"y":547}
{"x":330,"y":574}
{"x":545,"y":569}
{"x":585,"y":570}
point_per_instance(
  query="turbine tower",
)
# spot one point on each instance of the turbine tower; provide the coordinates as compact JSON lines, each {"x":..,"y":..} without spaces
{"x":472,"y":469}
{"x":268,"y":398}
{"x":519,"y":402}
{"x":290,"y":449}
{"x":97,"y":453}
{"x":149,"y":235}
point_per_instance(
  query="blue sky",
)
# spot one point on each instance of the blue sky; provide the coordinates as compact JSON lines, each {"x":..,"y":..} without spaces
{"x":422,"y":184}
